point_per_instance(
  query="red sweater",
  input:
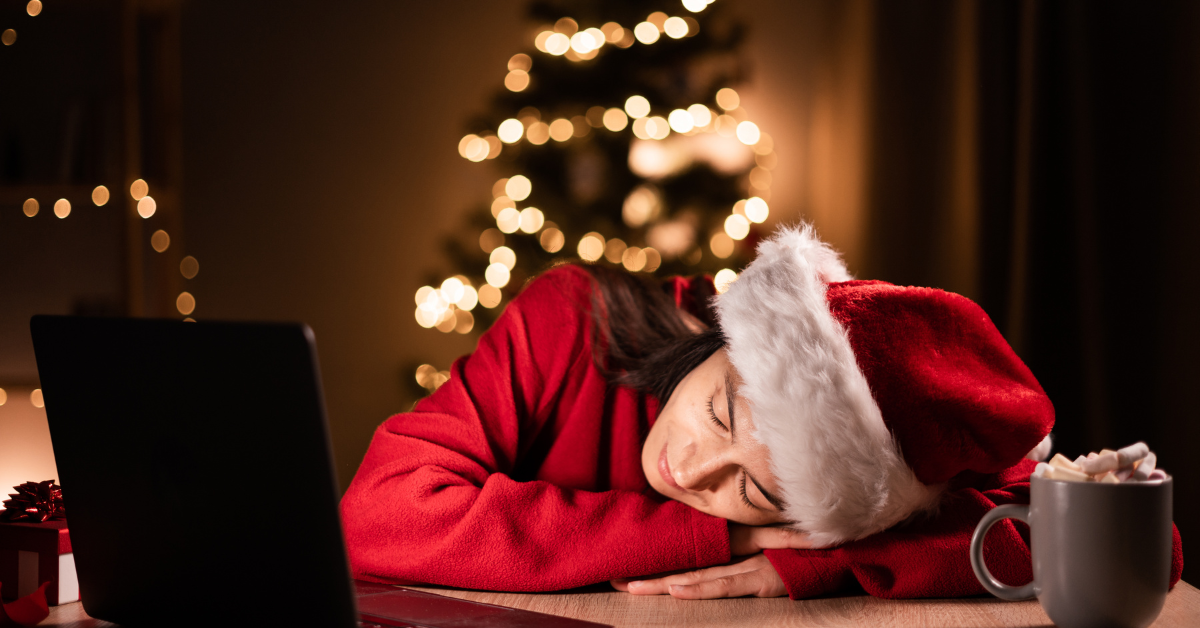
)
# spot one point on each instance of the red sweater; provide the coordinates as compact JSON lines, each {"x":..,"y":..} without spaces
{"x":523,"y":473}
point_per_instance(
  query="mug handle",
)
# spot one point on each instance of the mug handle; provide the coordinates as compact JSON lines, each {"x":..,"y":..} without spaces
{"x":989,"y":582}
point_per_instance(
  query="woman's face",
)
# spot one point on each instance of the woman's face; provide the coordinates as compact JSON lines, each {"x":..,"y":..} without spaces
{"x":700,"y":450}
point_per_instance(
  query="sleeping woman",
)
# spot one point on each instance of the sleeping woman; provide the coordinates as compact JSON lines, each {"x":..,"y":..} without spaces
{"x":800,"y":434}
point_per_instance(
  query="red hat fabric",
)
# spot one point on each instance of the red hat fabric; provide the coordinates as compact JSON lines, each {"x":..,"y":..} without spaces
{"x":870,"y":396}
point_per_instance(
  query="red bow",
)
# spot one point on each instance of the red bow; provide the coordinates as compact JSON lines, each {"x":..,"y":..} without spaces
{"x":35,"y":502}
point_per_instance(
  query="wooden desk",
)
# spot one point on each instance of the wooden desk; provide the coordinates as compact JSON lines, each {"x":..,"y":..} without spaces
{"x":621,"y":609}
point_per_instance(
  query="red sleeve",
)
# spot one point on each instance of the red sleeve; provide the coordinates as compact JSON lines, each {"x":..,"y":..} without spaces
{"x":929,"y":558}
{"x":433,"y":501}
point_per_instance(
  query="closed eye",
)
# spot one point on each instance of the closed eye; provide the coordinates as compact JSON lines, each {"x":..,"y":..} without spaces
{"x":713,"y":415}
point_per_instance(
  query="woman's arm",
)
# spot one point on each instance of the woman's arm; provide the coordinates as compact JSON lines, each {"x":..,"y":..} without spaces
{"x":434,"y":500}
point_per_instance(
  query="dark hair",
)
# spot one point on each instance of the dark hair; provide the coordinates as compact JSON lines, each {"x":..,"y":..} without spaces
{"x":640,"y":338}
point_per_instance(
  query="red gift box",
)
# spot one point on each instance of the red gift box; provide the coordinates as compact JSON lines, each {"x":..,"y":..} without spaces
{"x":32,"y":553}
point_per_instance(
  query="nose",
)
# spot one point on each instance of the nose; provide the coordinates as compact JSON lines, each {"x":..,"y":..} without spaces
{"x":702,"y":469}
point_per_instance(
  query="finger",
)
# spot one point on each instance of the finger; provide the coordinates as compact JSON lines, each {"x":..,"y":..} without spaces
{"x":661,"y":586}
{"x":736,"y":585}
{"x":620,"y":584}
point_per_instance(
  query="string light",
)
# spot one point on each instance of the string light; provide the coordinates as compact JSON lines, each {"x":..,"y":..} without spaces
{"x":160,"y":241}
{"x":185,"y":303}
{"x":538,"y":133}
{"x":30,"y":207}
{"x":728,"y":99}
{"x":504,"y":256}
{"x":637,"y":107}
{"x":100,"y":196}
{"x":613,"y":249}
{"x":517,"y":80}
{"x":653,"y":259}
{"x":695,"y":6}
{"x":189,"y":267}
{"x":561,"y":130}
{"x":747,"y":132}
{"x":558,"y":44}
{"x":9,"y":37}
{"x":737,"y":226}
{"x":675,"y":28}
{"x":139,"y":189}
{"x":500,"y":204}
{"x":489,"y":296}
{"x":552,"y":240}
{"x":36,"y":398}
{"x":615,"y":120}
{"x":760,"y":177}
{"x":701,"y":115}
{"x":62,"y":208}
{"x":452,"y":289}
{"x":633,"y":259}
{"x":146,"y":207}
{"x":497,"y":275}
{"x":518,"y":188}
{"x":3,"y":397}
{"x":490,"y":239}
{"x":34,"y":8}
{"x":721,"y":245}
{"x":510,"y":131}
{"x":531,"y":220}
{"x":591,"y":246}
{"x":464,"y":321}
{"x":520,"y":61}
{"x":756,"y":209}
{"x":508,"y":220}
{"x":469,"y":298}
{"x":723,"y":279}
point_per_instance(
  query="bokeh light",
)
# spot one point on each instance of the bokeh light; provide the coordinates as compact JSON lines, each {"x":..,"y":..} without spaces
{"x":723,"y":279}
{"x":646,"y":33}
{"x":500,"y":203}
{"x":615,"y":120}
{"x":9,"y":38}
{"x":675,"y":28}
{"x":721,"y":245}
{"x":637,"y":107}
{"x":747,"y":132}
{"x":728,"y":99}
{"x":452,"y":289}
{"x":653,"y":259}
{"x":470,"y":298}
{"x":147,"y":206}
{"x":701,"y":115}
{"x":62,"y":208}
{"x":494,"y":146}
{"x":446,"y":322}
{"x":681,"y":121}
{"x":185,"y":303}
{"x":633,"y":259}
{"x":423,"y":294}
{"x":581,"y":125}
{"x":531,"y":219}
{"x":189,"y":267}
{"x":760,"y":178}
{"x":100,"y":195}
{"x":558,"y":44}
{"x":613,"y":249}
{"x":538,"y":133}
{"x":613,"y":32}
{"x":490,"y":239}
{"x":516,"y":80}
{"x":756,"y":209}
{"x":520,"y":61}
{"x":518,"y":188}
{"x":510,"y":131}
{"x":503,"y":255}
{"x":139,"y":189}
{"x":508,"y":220}
{"x":464,"y":321}
{"x":552,"y":240}
{"x":30,"y":207}
{"x":561,"y":130}
{"x":3,"y":397}
{"x":657,"y":128}
{"x":490,"y":296}
{"x":34,"y":8}
{"x":497,"y":275}
{"x":36,"y":398}
{"x":641,"y":206}
{"x":737,"y":226}
{"x":566,"y":26}
{"x":591,"y":246}
{"x":160,"y":241}
{"x":695,"y":6}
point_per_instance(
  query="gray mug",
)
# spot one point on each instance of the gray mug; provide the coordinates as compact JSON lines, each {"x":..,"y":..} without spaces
{"x":1101,"y":552}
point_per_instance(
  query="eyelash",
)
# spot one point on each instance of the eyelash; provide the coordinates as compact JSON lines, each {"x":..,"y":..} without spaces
{"x":742,"y":485}
{"x":713,"y":415}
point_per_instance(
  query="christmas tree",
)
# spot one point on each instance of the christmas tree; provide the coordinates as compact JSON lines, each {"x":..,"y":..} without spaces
{"x":618,"y":139}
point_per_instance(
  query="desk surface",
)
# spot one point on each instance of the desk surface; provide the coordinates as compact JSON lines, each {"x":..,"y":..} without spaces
{"x":622,"y":609}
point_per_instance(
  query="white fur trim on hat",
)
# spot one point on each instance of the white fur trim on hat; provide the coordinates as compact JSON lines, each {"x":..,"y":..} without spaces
{"x":839,"y":469}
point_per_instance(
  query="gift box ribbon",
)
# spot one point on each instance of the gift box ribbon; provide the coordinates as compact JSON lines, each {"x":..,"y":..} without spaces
{"x":34,"y":502}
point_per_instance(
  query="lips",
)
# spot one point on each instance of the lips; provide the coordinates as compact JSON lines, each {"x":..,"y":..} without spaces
{"x":664,"y":469}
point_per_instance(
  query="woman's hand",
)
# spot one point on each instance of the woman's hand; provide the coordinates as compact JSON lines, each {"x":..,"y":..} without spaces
{"x":744,"y":539}
{"x":750,"y":576}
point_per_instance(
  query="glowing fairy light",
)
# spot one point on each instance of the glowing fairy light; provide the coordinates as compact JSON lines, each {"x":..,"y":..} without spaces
{"x":504,"y":256}
{"x":497,"y":275}
{"x":737,"y":226}
{"x":516,"y":80}
{"x":185,"y":303}
{"x":452,"y":289}
{"x":723,"y":279}
{"x":147,"y":206}
{"x":469,"y":298}
{"x":100,"y":195}
{"x":160,"y":241}
{"x":681,"y":121}
{"x":531,"y":220}
{"x":701,"y":115}
{"x":728,"y":99}
{"x":637,"y":107}
{"x":558,"y":44}
{"x":561,"y":130}
{"x":591,"y":246}
{"x":520,"y":61}
{"x":30,"y":207}
{"x":510,"y":131}
{"x":490,"y":296}
{"x":613,"y":249}
{"x":139,"y":189}
{"x":518,"y":188}
{"x":695,"y":6}
{"x":748,"y":133}
{"x":62,"y":208}
{"x":508,"y":220}
{"x":675,"y":28}
{"x":721,"y":245}
{"x":615,"y":120}
{"x":756,"y":209}
{"x":552,"y":240}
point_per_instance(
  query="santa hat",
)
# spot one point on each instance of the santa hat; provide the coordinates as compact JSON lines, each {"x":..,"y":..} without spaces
{"x":869,"y":396}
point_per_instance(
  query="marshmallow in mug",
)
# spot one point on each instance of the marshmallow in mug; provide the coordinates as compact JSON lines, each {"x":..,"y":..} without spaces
{"x":1135,"y":463}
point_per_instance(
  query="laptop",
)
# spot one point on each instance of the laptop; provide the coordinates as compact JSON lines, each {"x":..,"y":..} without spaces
{"x":199,"y":482}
